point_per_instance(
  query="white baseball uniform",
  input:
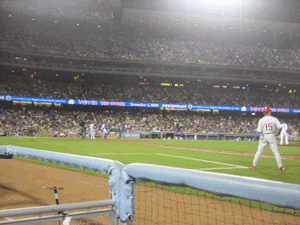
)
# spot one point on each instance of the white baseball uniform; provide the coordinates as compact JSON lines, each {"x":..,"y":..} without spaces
{"x":267,"y":126}
{"x":92,"y":130}
{"x":104,"y":131}
{"x":295,"y":135}
{"x":284,"y":134}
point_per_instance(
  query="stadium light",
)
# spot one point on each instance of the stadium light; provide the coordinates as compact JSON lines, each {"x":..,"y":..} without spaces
{"x":220,"y":2}
{"x":197,"y":3}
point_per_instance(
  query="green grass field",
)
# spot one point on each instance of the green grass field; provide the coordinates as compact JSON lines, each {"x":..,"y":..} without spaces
{"x":132,"y":153}
{"x":127,"y":153}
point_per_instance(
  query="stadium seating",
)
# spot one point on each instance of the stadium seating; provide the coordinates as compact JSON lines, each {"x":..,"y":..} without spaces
{"x":52,"y":122}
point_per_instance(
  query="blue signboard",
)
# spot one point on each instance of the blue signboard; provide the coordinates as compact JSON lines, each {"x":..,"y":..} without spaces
{"x":142,"y":104}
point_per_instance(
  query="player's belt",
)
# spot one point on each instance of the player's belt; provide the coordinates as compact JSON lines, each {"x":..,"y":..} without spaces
{"x":268,"y":133}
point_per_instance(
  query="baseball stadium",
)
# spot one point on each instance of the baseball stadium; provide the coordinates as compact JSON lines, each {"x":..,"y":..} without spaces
{"x":150,"y":112}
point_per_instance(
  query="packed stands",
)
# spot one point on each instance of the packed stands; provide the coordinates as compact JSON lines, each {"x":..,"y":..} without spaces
{"x":77,"y":9}
{"x":32,"y":121}
{"x":124,"y":47}
{"x":200,"y":94}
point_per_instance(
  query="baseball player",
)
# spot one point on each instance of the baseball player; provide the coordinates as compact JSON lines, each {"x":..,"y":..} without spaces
{"x":104,"y":130}
{"x":284,"y":134}
{"x":295,"y":135}
{"x":83,"y":129}
{"x":267,"y":127}
{"x":92,"y":130}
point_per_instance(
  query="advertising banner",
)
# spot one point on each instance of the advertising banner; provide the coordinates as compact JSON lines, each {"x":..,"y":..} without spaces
{"x":143,"y":104}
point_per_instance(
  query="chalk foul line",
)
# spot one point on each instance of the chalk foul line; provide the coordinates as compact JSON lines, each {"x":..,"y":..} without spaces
{"x":201,"y":160}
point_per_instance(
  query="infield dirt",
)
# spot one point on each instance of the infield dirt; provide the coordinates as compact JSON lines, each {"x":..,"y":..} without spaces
{"x":21,"y":185}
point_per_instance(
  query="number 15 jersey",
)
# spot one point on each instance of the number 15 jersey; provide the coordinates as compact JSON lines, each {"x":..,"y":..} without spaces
{"x":268,"y":125}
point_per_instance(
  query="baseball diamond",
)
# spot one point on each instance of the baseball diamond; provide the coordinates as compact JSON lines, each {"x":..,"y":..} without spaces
{"x":149,"y":112}
{"x":141,"y":190}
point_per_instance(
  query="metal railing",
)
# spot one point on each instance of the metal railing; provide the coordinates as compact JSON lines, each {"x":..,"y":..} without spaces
{"x":89,"y":216}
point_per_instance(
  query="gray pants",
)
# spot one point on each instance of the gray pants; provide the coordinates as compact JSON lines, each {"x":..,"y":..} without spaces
{"x":83,"y":132}
{"x":263,"y":142}
{"x":284,"y":135}
{"x":92,"y":134}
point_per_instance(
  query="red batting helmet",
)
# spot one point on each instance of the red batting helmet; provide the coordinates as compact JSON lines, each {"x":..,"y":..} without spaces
{"x":266,"y":110}
{"x":93,"y":122}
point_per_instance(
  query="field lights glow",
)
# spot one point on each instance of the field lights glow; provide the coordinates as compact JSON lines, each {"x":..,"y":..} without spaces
{"x":212,"y":2}
{"x":220,"y":2}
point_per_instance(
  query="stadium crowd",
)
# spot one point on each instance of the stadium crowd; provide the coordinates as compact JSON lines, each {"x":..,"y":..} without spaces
{"x":77,"y":9}
{"x":66,"y":39}
{"x":35,"y":121}
{"x":200,"y":95}
{"x":249,"y":75}
{"x":121,"y":47}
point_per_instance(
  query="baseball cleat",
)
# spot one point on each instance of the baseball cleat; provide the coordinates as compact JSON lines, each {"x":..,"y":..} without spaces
{"x":281,"y":169}
{"x":253,"y":167}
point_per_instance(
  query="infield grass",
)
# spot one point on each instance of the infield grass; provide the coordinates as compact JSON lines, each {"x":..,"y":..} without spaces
{"x":235,"y":146}
{"x":122,"y":152}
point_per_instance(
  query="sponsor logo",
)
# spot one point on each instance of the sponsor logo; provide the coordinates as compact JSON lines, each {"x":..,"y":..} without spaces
{"x":260,"y":109}
{"x":296,"y":110}
{"x":85,"y":102}
{"x":2,"y":97}
{"x":8,"y":97}
{"x":174,"y":106}
{"x":71,"y":102}
{"x":190,"y":106}
{"x":256,"y":109}
{"x":117,"y":103}
{"x":244,"y":108}
{"x":202,"y":107}
{"x":282,"y":110}
{"x":104,"y":103}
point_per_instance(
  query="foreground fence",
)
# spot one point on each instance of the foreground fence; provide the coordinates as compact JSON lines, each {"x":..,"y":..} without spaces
{"x":167,"y":195}
{"x":63,"y":214}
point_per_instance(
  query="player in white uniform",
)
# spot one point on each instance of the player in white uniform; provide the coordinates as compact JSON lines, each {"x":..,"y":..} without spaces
{"x":92,"y":130}
{"x":267,"y":127}
{"x":104,"y":130}
{"x":295,"y":135}
{"x":284,"y":134}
